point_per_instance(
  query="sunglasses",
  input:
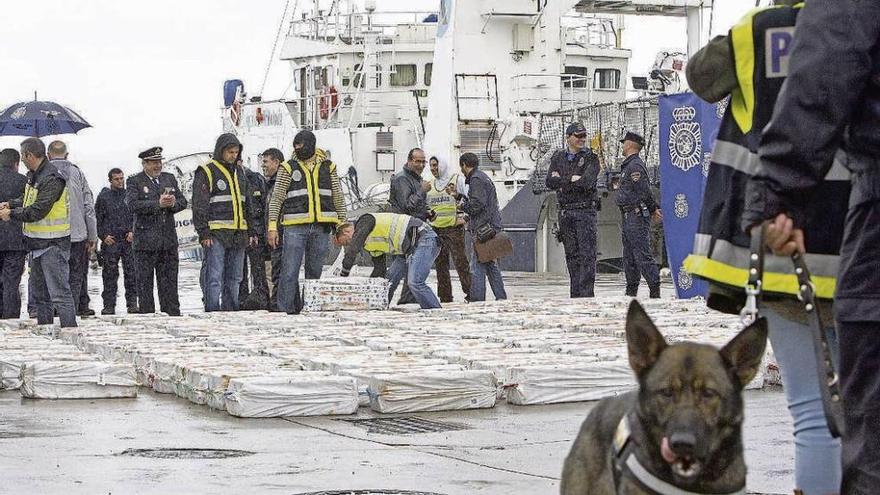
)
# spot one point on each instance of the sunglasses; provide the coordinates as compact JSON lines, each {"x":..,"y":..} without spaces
{"x":580,"y":136}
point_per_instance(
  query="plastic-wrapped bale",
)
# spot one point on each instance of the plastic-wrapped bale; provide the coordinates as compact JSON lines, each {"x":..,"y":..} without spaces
{"x":530,"y":385}
{"x":77,"y":380}
{"x":309,"y":395}
{"x":345,"y":294}
{"x":432,"y":391}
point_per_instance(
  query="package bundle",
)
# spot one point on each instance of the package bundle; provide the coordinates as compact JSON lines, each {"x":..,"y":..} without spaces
{"x":432,"y":391}
{"x":307,"y":394}
{"x":345,"y":294}
{"x":77,"y":380}
{"x":530,"y":385}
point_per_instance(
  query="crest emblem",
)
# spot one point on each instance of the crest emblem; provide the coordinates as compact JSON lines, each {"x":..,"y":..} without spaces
{"x":685,"y":281}
{"x":296,"y":176}
{"x":685,"y":139}
{"x":221,"y":185}
{"x":721,"y":107}
{"x":19,"y":112}
{"x":681,"y":205}
{"x":707,"y":159}
{"x":146,"y":189}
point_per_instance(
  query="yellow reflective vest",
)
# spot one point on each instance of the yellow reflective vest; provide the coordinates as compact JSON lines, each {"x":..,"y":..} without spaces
{"x":388,"y":234}
{"x":226,"y":210}
{"x":55,"y":225}
{"x":443,"y":204}
{"x":310,"y":193}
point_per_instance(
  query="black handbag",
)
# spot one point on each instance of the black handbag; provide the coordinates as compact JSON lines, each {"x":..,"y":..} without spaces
{"x":484,"y":233}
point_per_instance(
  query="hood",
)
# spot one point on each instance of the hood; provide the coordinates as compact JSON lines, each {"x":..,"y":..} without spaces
{"x":446,"y":172}
{"x":308,"y":139}
{"x":224,"y":141}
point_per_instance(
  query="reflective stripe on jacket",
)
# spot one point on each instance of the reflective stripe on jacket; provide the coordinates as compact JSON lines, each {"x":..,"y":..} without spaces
{"x":226,"y":210}
{"x":443,"y":204}
{"x":387,"y":235}
{"x":310,"y":194}
{"x":55,"y":225}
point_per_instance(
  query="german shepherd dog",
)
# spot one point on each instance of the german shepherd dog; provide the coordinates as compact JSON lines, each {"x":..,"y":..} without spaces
{"x":681,"y":432}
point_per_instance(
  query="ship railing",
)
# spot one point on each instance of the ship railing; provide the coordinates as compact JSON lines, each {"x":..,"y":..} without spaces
{"x":347,"y":27}
{"x":550,"y":92}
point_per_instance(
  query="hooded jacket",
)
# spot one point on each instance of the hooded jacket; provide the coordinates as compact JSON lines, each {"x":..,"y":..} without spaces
{"x":202,"y":197}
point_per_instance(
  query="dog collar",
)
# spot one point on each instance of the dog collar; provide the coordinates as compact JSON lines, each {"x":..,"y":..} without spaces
{"x":624,"y":462}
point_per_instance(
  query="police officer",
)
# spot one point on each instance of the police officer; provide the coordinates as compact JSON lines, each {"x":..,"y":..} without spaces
{"x":13,"y":250}
{"x":271,"y":160}
{"x":43,"y":211}
{"x":829,"y":113}
{"x":154,"y":197}
{"x":257,"y":295}
{"x":637,"y":207}
{"x":223,"y":218}
{"x":115,"y":223}
{"x":308,"y":203}
{"x":573,"y":173}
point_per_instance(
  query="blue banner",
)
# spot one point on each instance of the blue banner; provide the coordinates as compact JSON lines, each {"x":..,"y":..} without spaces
{"x":688,"y":128}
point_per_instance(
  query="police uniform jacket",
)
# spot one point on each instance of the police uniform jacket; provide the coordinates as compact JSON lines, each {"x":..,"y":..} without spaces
{"x":50,"y":184}
{"x":154,"y":226}
{"x":113,"y":214}
{"x":635,"y":185}
{"x":582,"y":192}
{"x":11,"y":188}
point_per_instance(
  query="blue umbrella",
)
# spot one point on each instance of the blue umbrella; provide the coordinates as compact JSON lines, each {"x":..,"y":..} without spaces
{"x":40,"y":118}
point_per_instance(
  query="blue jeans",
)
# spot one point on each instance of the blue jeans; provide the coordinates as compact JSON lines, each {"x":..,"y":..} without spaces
{"x":50,"y":273}
{"x":417,"y":266}
{"x":817,"y":454}
{"x":479,"y":272}
{"x":221,"y":273}
{"x":302,"y":243}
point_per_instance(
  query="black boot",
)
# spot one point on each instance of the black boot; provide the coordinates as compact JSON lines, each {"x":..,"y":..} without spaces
{"x":654,"y":292}
{"x":632,"y":291}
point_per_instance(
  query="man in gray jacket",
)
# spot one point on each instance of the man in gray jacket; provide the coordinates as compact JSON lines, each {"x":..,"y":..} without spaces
{"x":83,"y":225}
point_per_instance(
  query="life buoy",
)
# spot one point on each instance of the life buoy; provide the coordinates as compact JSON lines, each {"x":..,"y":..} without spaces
{"x":329,"y":100}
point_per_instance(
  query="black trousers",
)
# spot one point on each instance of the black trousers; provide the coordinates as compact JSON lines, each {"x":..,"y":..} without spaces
{"x":276,"y":277}
{"x":162,"y":264}
{"x":255,"y":266}
{"x":579,"y":234}
{"x":111,"y":256}
{"x":11,"y":269}
{"x":79,"y":268}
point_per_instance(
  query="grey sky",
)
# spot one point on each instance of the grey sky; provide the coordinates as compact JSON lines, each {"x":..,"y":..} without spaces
{"x":151,"y":73}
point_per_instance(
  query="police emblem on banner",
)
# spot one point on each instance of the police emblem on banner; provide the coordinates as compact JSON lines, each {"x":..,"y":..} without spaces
{"x":19,"y":112}
{"x":221,"y":185}
{"x":685,"y":281}
{"x":707,"y":159}
{"x":685,"y":139}
{"x":681,"y":205}
{"x":721,"y":107}
{"x":296,"y":176}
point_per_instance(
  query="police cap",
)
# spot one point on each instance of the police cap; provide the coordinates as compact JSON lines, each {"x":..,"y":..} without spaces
{"x":575,"y":128}
{"x":154,"y":153}
{"x":631,"y":136}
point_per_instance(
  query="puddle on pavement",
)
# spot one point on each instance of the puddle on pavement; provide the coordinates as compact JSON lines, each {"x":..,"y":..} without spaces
{"x":186,"y":453}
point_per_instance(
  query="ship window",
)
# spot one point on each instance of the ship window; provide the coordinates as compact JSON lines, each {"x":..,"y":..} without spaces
{"x":606,"y":79}
{"x":358,"y":76}
{"x":429,"y":71}
{"x":404,"y":75}
{"x":578,"y":77}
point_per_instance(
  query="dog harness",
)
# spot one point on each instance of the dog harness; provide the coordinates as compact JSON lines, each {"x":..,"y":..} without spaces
{"x":624,"y":463}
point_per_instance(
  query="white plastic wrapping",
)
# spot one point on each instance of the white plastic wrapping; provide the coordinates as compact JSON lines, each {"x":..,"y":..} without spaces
{"x":550,"y":385}
{"x":345,"y":294}
{"x":432,"y":391}
{"x":310,"y":395}
{"x":77,"y":380}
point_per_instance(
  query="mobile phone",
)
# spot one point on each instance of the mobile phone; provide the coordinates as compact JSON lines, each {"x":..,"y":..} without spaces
{"x":169,"y":190}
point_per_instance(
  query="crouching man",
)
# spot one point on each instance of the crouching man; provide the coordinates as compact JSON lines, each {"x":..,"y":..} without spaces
{"x":412,"y":242}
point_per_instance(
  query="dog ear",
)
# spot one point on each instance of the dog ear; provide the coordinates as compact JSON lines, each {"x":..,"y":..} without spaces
{"x":744,"y":353}
{"x":643,"y":340}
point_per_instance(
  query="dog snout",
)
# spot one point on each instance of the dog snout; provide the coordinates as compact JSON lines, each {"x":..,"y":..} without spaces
{"x":683,"y":443}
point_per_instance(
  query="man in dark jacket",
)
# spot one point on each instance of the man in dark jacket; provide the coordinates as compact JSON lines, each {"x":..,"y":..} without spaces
{"x":573,"y":174}
{"x":829,"y":111}
{"x":154,"y":197}
{"x":43,"y":212}
{"x":637,"y":208}
{"x":256,"y":295}
{"x":481,"y":206}
{"x":408,"y":196}
{"x":222,"y":209}
{"x":12,"y":248}
{"x":271,"y":159}
{"x":115,"y":224}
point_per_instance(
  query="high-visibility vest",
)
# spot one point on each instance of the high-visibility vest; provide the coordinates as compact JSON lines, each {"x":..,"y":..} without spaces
{"x":226,"y":210}
{"x":443,"y":204}
{"x":761,"y":43}
{"x":310,"y":194}
{"x":388,"y":234}
{"x":55,"y":225}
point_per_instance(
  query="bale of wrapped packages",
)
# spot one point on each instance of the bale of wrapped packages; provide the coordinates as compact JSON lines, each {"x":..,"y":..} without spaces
{"x":432,"y":391}
{"x":77,"y":380}
{"x":345,"y":294}
{"x":531,"y":385}
{"x":308,"y":395}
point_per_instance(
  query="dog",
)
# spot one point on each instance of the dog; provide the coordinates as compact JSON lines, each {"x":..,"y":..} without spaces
{"x":681,"y":431}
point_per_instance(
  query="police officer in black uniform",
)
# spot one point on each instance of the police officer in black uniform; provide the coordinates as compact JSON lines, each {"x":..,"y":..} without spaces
{"x":573,"y":174}
{"x":256,"y":295}
{"x":637,"y":207}
{"x":154,"y":197}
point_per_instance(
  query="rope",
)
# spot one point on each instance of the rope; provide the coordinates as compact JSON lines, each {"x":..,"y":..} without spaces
{"x":275,"y":43}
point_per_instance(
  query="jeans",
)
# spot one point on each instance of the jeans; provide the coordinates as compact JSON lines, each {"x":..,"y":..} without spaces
{"x":817,"y":453}
{"x":11,"y":269}
{"x":452,"y":243}
{"x":417,"y":266}
{"x":223,"y":272}
{"x":479,"y":273}
{"x":302,"y":243}
{"x":51,"y":275}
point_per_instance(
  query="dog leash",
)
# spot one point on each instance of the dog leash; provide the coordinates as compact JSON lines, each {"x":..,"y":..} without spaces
{"x":829,"y":383}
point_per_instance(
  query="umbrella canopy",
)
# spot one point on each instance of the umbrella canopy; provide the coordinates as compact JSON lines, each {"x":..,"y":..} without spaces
{"x":40,"y":118}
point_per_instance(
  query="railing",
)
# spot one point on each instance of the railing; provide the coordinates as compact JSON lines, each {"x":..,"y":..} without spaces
{"x":351,"y":26}
{"x":533,"y":92}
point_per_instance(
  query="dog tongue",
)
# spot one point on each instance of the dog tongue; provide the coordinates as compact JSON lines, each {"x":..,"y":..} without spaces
{"x":667,"y":453}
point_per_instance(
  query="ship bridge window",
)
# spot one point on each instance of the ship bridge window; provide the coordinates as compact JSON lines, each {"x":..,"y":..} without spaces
{"x":358,"y":78}
{"x":429,"y":71}
{"x":577,"y":77}
{"x":606,"y":79}
{"x":403,"y":75}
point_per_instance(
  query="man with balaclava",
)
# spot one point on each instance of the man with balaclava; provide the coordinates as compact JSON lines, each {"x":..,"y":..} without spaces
{"x":308,"y":204}
{"x":223,"y":218}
